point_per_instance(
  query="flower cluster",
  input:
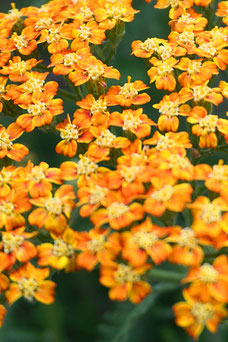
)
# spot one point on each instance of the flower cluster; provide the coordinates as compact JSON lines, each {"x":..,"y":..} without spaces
{"x":137,"y":178}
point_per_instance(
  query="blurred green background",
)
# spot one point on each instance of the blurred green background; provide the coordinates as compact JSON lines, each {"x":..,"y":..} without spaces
{"x":82,"y":311}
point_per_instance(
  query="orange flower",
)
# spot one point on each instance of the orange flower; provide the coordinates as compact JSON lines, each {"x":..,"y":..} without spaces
{"x":124,"y":282}
{"x":89,"y":32}
{"x":188,"y":17}
{"x":210,"y":281}
{"x":54,"y":211}
{"x":162,"y":73}
{"x":93,"y":70}
{"x":2,"y":314}
{"x":17,"y":68}
{"x":132,"y":120}
{"x":145,"y":240}
{"x":113,"y":14}
{"x":60,"y":254}
{"x":16,"y":247}
{"x":22,"y":94}
{"x":54,"y":37}
{"x":128,"y":94}
{"x":92,"y":195}
{"x":176,"y":164}
{"x":202,"y":93}
{"x":11,"y":208}
{"x":171,"y":141}
{"x":206,"y":125}
{"x":24,"y":43}
{"x":97,"y":247}
{"x":194,"y":314}
{"x":28,"y":282}
{"x":106,"y":141}
{"x":196,"y":71}
{"x":7,"y":148}
{"x":73,"y":133}
{"x":208,"y":216}
{"x":185,"y":250}
{"x":222,"y":11}
{"x":163,"y":195}
{"x":66,"y":61}
{"x":147,"y":48}
{"x":170,"y":107}
{"x":36,"y":179}
{"x":177,"y":7}
{"x":6,"y":178}
{"x":40,"y":112}
{"x":117,"y":212}
{"x":97,"y":109}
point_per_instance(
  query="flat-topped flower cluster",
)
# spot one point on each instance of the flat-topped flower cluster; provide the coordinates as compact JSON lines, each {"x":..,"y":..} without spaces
{"x":138,"y":178}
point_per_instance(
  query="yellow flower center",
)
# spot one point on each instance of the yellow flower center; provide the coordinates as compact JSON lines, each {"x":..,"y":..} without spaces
{"x":220,"y":173}
{"x":37,"y":108}
{"x":145,"y":239}
{"x":54,"y":205}
{"x":20,"y":67}
{"x":98,"y":106}
{"x":70,"y":59}
{"x":105,"y":139}
{"x":84,"y":32}
{"x":28,"y":287}
{"x":208,"y":273}
{"x":169,"y":108}
{"x":36,"y":174}
{"x":69,"y":132}
{"x":208,"y":48}
{"x":209,"y":123}
{"x":187,"y":37}
{"x":13,"y":14}
{"x":165,"y":52}
{"x":124,"y":274}
{"x":86,"y":13}
{"x":194,"y":67}
{"x":5,"y":141}
{"x":175,"y":160}
{"x":94,"y":72}
{"x":149,"y":45}
{"x":187,"y":238}
{"x":43,"y":23}
{"x":211,"y":213}
{"x":200,"y":92}
{"x":164,"y":68}
{"x":174,"y":3}
{"x":5,"y":177}
{"x":116,"y":210}
{"x":19,"y":41}
{"x":202,"y":312}
{"x":53,"y":35}
{"x":128,"y":91}
{"x":33,"y":85}
{"x":96,"y":244}
{"x":164,"y":194}
{"x":61,"y":248}
{"x":131,"y":121}
{"x":116,"y":12}
{"x":11,"y":242}
{"x":97,"y":193}
{"x":130,"y":173}
{"x":186,"y":18}
{"x":86,"y":166}
{"x":164,"y":142}
{"x":7,"y":208}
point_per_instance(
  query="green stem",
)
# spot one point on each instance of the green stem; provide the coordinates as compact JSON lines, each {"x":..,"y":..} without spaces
{"x":165,"y":275}
{"x":67,"y":94}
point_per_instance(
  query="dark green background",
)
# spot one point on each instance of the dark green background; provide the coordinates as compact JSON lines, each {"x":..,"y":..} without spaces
{"x":81,"y":302}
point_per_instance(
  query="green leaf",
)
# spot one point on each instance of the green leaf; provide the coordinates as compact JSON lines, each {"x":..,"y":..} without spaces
{"x":118,"y":324}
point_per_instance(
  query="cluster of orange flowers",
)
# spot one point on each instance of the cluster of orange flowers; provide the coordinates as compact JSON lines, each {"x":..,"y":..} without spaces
{"x":139,"y":179}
